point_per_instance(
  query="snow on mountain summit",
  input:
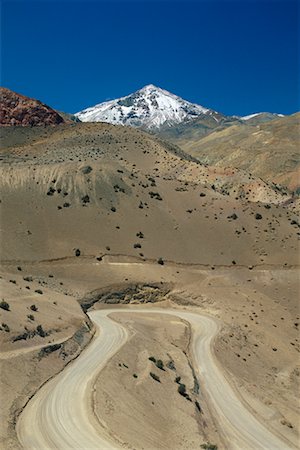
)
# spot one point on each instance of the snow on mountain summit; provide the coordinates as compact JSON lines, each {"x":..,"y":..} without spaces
{"x":150,"y":107}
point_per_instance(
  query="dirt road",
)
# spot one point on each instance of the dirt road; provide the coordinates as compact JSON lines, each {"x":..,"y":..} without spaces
{"x":60,"y":415}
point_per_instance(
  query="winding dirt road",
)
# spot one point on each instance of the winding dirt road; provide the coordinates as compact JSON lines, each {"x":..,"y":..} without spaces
{"x":60,"y":415}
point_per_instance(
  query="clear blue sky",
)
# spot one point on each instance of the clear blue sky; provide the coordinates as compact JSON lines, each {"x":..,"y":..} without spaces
{"x":236,"y":57}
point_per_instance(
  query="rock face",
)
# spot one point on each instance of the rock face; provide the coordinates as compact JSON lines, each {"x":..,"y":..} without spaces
{"x":17,"y":109}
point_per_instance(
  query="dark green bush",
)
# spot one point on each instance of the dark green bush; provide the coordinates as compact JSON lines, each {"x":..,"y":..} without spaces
{"x":4,"y":305}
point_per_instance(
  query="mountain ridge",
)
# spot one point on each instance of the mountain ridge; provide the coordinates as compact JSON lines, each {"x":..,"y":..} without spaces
{"x":153,"y":108}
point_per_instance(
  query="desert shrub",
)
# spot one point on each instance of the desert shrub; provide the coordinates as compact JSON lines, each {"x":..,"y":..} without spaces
{"x":151,"y":358}
{"x":197,"y":404}
{"x":85,"y":199}
{"x":28,"y":279}
{"x":160,"y":261}
{"x":77,"y":252}
{"x":51,"y":191}
{"x":155,"y":377}
{"x":171,"y":365}
{"x":155,"y":195}
{"x":159,"y":364}
{"x":87,"y":169}
{"x":33,"y":308}
{"x":258,"y":216}
{"x":232,"y":216}
{"x":137,"y":245}
{"x":40,"y":331}
{"x":182,"y":389}
{"x":4,"y":305}
{"x":38,"y":291}
{"x":5,"y":327}
{"x":30,"y":316}
{"x":209,"y":446}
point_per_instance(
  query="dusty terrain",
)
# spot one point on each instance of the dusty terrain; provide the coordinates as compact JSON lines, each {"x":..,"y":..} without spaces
{"x":268,"y":150}
{"x":89,"y":210}
{"x":171,"y":419}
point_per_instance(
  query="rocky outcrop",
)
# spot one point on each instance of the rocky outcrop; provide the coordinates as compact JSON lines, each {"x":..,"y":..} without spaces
{"x":16,"y":109}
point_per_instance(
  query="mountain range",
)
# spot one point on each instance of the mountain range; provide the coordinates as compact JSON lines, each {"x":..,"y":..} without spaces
{"x":266,"y":144}
{"x":152,"y":108}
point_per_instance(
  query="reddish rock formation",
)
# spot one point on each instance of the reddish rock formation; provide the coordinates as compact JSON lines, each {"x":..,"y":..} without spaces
{"x":16,"y":109}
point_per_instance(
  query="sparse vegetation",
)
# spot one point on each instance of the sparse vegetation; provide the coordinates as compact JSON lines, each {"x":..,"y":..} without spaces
{"x":29,"y":279}
{"x":170,"y":365}
{"x":209,"y":446}
{"x":85,"y":199}
{"x":5,"y":327}
{"x":4,"y":305}
{"x":41,"y":332}
{"x":155,"y":377}
{"x":182,"y":389}
{"x":159,"y":364}
{"x":155,"y":195}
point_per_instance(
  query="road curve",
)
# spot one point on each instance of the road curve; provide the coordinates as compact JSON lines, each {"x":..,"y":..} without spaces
{"x":60,"y":415}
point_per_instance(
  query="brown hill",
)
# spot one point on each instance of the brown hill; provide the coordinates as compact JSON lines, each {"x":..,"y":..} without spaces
{"x":96,"y":186}
{"x":268,"y":150}
{"x":17,"y":109}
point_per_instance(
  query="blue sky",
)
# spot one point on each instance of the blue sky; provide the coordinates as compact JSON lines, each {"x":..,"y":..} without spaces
{"x":236,"y":57}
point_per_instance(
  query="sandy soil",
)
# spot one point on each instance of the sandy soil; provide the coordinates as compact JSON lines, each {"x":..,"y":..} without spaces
{"x":268,"y":380}
{"x":158,"y":416}
{"x":228,"y":243}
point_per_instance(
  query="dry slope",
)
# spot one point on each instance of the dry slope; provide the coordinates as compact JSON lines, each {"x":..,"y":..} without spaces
{"x":269,"y":150}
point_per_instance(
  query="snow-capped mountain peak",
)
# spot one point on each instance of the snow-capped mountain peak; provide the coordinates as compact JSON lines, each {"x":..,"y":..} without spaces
{"x":150,"y":107}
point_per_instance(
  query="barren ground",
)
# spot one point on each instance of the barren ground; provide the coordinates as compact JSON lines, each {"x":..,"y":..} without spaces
{"x":228,"y":244}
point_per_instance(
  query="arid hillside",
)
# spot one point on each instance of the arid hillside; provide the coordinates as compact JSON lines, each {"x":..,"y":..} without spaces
{"x":99,"y":189}
{"x":96,"y":214}
{"x":268,"y":150}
